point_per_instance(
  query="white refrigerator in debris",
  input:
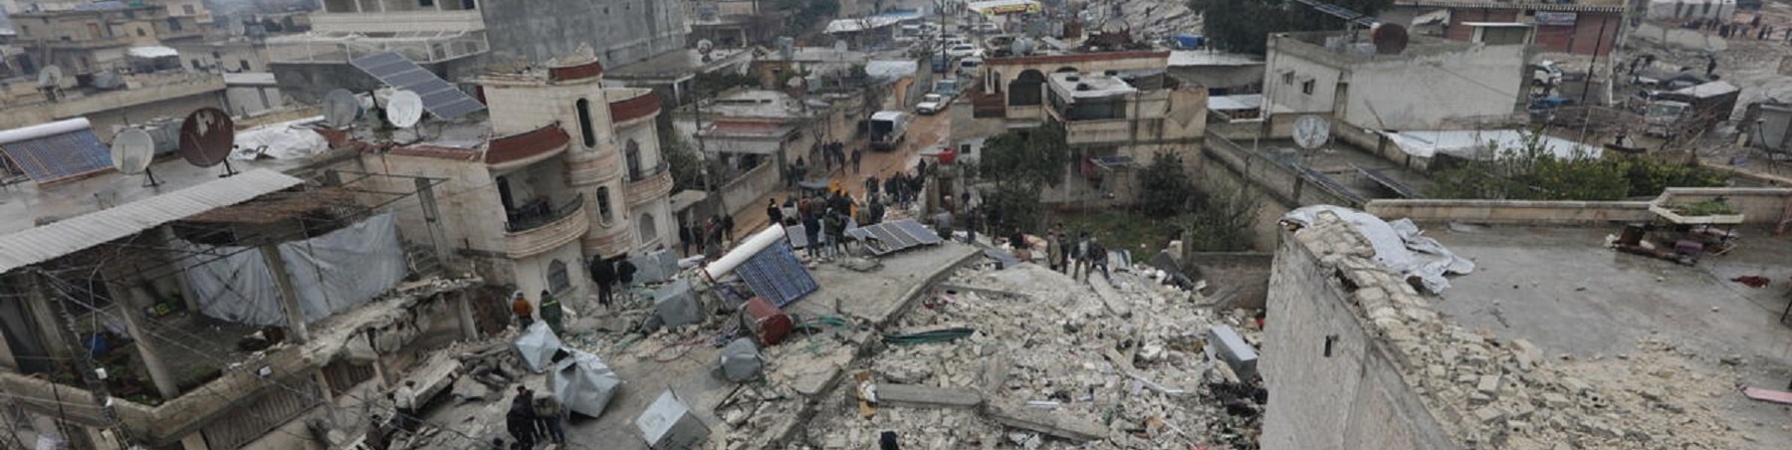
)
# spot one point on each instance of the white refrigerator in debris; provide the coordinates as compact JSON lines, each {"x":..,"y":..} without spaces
{"x":669,"y":425}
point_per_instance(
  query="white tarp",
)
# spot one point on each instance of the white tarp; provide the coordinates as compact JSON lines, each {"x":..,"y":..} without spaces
{"x":1397,"y":244}
{"x":331,"y":273}
{"x":887,"y":71}
{"x":1482,"y":144}
{"x":583,"y":383}
{"x":152,"y":51}
{"x":285,"y":140}
{"x":537,"y":346}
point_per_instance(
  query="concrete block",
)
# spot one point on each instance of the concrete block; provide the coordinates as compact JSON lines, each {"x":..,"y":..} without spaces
{"x":1233,"y":349}
{"x":1048,"y":422}
{"x":914,"y":396}
{"x":1554,"y":400}
{"x":1489,"y":384}
{"x":1489,"y":414}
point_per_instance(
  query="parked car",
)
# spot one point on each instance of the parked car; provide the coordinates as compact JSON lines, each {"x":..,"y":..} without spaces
{"x":963,"y":50}
{"x":931,"y":104}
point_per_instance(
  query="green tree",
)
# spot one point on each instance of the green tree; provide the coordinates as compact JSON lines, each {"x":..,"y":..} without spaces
{"x":1529,"y":171}
{"x":1244,"y":25}
{"x":1033,"y":158}
{"x":1222,"y":221}
{"x":1165,"y":186}
{"x":682,"y":159}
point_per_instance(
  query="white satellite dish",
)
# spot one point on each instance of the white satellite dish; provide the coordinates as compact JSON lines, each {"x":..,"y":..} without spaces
{"x":132,"y":150}
{"x":1311,"y":132}
{"x":704,"y":46}
{"x":49,"y":76}
{"x":341,"y":108}
{"x":404,"y":109}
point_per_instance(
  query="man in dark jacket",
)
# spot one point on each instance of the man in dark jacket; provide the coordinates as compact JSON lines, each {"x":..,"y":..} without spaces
{"x":604,"y":274}
{"x":812,"y":231}
{"x":773,"y":212}
{"x":520,"y":420}
{"x":685,"y":238}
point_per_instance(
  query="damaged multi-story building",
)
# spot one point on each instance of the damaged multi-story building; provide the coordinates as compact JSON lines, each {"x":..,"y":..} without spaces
{"x":211,"y":313}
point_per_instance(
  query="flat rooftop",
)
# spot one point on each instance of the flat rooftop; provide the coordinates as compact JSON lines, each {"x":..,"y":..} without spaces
{"x":1088,"y":85}
{"x":1562,"y":290}
{"x":676,"y":64}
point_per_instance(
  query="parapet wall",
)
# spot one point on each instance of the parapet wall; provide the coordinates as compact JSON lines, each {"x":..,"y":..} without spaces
{"x":1762,"y":206}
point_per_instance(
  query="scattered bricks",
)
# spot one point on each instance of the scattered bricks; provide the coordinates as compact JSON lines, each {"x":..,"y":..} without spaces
{"x":1047,"y":422}
{"x":1467,"y":378}
{"x":1574,"y":385}
{"x":1490,"y":414}
{"x":1436,"y":371}
{"x":1489,"y":384}
{"x":1554,"y":400}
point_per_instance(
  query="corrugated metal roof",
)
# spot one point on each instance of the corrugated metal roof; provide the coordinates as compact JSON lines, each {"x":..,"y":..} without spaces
{"x":60,"y":239}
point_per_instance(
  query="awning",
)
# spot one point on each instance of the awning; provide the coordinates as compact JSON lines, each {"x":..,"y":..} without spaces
{"x":1438,"y":17}
{"x":152,"y":51}
{"x":56,"y":151}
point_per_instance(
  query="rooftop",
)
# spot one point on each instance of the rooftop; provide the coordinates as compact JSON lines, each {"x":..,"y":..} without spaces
{"x":1193,"y":58}
{"x":1087,"y":85}
{"x":1340,"y":48}
{"x":754,"y":103}
{"x":679,"y":63}
{"x":819,"y":54}
{"x":24,"y":204}
{"x":1645,"y":350}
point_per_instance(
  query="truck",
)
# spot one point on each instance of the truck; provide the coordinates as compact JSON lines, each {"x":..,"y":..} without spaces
{"x":887,"y":129}
{"x":1695,"y":108}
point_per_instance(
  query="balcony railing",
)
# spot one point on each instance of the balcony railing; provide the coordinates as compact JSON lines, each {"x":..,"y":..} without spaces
{"x":331,"y":49}
{"x":538,"y":214}
{"x":636,"y":175}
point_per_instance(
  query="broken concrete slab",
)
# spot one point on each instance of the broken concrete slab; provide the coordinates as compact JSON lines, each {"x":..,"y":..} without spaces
{"x":993,"y":374}
{"x":1046,"y":422}
{"x":913,"y":396}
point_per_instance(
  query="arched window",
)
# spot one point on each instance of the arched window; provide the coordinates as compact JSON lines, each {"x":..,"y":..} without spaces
{"x":1026,"y":89}
{"x":604,"y":212}
{"x":585,"y":131}
{"x":648,"y":228}
{"x":632,"y":156}
{"x":557,"y":278}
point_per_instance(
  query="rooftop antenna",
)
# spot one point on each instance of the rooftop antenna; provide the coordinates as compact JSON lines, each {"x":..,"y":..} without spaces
{"x":132,"y":151}
{"x":341,"y":108}
{"x":206,"y":139}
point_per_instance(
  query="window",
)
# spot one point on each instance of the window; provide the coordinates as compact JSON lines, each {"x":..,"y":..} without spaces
{"x":243,"y":64}
{"x":604,"y":212}
{"x":558,"y":281}
{"x":173,"y":24}
{"x":187,"y":9}
{"x":1306,"y":87}
{"x":24,"y":30}
{"x":649,"y":228}
{"x":93,"y":29}
{"x":426,"y":3}
{"x":632,"y":156}
{"x":585,"y":131}
{"x":140,"y":32}
{"x":1288,"y":78}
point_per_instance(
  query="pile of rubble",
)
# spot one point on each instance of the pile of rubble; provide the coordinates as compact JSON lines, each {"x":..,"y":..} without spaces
{"x":1152,"y":20}
{"x":1490,"y":393}
{"x":1120,"y":365}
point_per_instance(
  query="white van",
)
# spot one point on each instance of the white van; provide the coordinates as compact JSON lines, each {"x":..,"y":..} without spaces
{"x":969,"y":65}
{"x":887,"y":129}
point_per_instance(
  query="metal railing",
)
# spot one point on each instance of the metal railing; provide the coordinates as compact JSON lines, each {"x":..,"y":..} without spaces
{"x":534,"y":215}
{"x":646,"y":173}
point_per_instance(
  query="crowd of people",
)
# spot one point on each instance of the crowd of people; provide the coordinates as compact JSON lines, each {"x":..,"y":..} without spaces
{"x":1753,"y":29}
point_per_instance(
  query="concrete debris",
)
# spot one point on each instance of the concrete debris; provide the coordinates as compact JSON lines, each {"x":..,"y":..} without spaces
{"x":1490,"y":393}
{"x":1054,"y":359}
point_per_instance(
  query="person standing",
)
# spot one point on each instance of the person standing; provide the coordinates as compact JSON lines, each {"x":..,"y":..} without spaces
{"x":525,"y":312}
{"x":379,"y":436}
{"x":551,"y":416}
{"x":812,"y":231}
{"x":871,"y":188}
{"x":1098,"y":257}
{"x":1054,"y":252}
{"x":1080,"y":256}
{"x":773,"y":213}
{"x":728,"y":227}
{"x":830,"y":221}
{"x":857,"y":154}
{"x":625,"y":274}
{"x":604,"y":274}
{"x":684,"y":238}
{"x":551,"y":312}
{"x":405,"y":402}
{"x":520,"y":420}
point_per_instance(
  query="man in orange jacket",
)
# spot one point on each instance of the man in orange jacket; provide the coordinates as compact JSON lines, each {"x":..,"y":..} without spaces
{"x":525,"y":311}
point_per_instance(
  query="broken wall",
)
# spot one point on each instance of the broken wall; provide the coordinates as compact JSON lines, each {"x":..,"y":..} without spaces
{"x":1332,"y":384}
{"x":1235,"y":279}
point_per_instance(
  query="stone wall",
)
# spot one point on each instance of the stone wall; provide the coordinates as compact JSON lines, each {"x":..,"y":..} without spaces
{"x":1332,"y":383}
{"x":621,"y":31}
{"x":1514,"y":212}
{"x":743,"y":192}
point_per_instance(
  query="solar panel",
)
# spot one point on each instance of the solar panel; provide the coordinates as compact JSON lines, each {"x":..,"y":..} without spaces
{"x":891,"y":237}
{"x":60,"y":156}
{"x":776,"y":274}
{"x":439,"y":98}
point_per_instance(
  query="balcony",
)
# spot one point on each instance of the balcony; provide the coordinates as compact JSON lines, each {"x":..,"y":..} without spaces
{"x":526,"y":148}
{"x":1086,"y":132}
{"x":630,"y":105}
{"x":650,"y":184}
{"x":533,"y":229}
{"x":82,"y":43}
{"x":420,"y":47}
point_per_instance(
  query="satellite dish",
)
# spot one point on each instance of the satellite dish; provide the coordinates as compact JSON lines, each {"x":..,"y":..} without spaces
{"x":1311,"y":132}
{"x":132,"y":150}
{"x":341,"y":108}
{"x":206,"y":137}
{"x":704,"y":46}
{"x":404,"y":109}
{"x":1389,"y":39}
{"x":840,"y":46}
{"x":50,"y":76}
